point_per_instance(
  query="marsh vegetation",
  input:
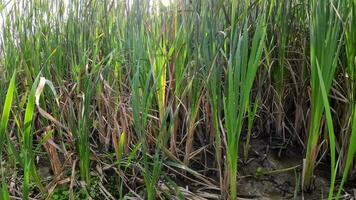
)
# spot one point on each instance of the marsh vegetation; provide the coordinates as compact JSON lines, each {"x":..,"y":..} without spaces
{"x":181,"y":99}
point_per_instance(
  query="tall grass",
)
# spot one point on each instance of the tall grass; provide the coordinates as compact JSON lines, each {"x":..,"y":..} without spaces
{"x":154,"y":99}
{"x":27,"y":143}
{"x":242,"y":67}
{"x":156,"y":49}
{"x":147,"y":81}
{"x":141,"y":100}
{"x":350,"y":39}
{"x":81,"y":131}
{"x":179,"y":66}
{"x":193,"y":93}
{"x":211,"y":43}
{"x":324,"y":48}
{"x":278,"y":70}
{"x":3,"y":129}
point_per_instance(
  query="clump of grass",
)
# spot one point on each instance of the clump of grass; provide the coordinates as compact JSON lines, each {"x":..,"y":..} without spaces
{"x":141,"y":103}
{"x":210,"y":45}
{"x":179,"y":67}
{"x":350,"y":39}
{"x":194,"y":93}
{"x":81,"y":131}
{"x":187,"y":71}
{"x":324,"y":49}
{"x":28,"y":163}
{"x":158,"y":61}
{"x":242,"y":67}
{"x":278,"y":70}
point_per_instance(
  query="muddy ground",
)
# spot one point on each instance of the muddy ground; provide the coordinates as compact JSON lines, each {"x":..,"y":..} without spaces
{"x":271,"y":172}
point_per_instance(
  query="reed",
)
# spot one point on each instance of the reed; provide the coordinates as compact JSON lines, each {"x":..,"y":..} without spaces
{"x":350,"y":39}
{"x":278,"y":70}
{"x":154,"y":97}
{"x":3,"y":130}
{"x":241,"y":72}
{"x":324,"y":49}
{"x":27,"y":142}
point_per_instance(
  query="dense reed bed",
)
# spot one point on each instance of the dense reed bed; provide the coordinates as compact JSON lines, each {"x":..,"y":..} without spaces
{"x":180,"y":99}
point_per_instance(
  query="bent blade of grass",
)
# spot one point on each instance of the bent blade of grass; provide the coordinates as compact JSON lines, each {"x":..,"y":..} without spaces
{"x":42,"y":83}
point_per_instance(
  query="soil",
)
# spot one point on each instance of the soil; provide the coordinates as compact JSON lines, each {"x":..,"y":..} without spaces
{"x":276,"y":174}
{"x":273,"y":173}
{"x":269,"y":174}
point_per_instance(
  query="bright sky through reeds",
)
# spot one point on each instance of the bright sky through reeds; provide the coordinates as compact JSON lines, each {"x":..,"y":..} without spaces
{"x":6,"y":5}
{"x":166,"y":2}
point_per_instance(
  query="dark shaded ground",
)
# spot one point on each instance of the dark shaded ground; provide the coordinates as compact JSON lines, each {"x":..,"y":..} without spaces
{"x":276,"y":174}
{"x":271,"y":172}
